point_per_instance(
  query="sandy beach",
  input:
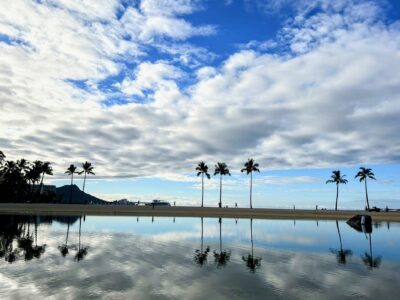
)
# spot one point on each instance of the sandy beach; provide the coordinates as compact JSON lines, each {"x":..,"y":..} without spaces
{"x":187,"y":211}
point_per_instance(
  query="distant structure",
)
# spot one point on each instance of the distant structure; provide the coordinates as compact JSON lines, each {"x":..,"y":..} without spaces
{"x":45,"y":188}
{"x":158,"y":203}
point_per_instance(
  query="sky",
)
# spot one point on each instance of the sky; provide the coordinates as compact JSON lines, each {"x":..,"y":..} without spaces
{"x":145,"y":90}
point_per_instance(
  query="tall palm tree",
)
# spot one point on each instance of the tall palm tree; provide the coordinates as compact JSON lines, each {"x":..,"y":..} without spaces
{"x":71,"y":171}
{"x":221,"y":169}
{"x":341,"y":254}
{"x":251,"y":167}
{"x":251,"y":261}
{"x":2,"y":157}
{"x":200,"y":255}
{"x":46,"y":170}
{"x":34,"y":174}
{"x":202,"y":169}
{"x":337,"y":178}
{"x":87,"y":169}
{"x":23,"y":165}
{"x":364,"y":174}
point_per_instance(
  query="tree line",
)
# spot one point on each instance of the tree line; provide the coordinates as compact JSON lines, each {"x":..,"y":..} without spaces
{"x":363,"y":174}
{"x":250,"y":166}
{"x":22,"y":181}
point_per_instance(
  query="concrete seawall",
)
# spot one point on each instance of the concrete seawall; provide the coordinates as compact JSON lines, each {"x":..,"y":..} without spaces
{"x":187,"y":211}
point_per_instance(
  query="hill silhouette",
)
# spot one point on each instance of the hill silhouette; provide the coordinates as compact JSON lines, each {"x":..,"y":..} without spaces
{"x":64,"y":193}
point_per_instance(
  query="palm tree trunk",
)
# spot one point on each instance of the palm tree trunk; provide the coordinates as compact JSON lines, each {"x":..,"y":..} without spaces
{"x":251,"y":188}
{"x":83,"y":189}
{"x":220,"y":191}
{"x":366,"y":193}
{"x":70,"y":194}
{"x":202,"y":189}
{"x":41,"y":184}
{"x":337,"y":194}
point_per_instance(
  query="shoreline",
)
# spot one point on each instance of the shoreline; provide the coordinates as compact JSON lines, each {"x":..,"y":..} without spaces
{"x":190,"y":211}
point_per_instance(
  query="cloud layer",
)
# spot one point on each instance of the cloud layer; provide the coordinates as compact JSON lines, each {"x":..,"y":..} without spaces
{"x":125,"y":88}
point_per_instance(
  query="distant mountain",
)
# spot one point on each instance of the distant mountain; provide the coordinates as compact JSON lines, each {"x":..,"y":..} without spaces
{"x":77,"y":197}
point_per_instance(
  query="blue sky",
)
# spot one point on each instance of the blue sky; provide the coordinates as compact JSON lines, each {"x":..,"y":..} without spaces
{"x":146,"y":89}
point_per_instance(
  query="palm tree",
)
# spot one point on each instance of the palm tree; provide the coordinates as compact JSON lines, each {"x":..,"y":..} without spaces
{"x":250,"y":167}
{"x":252,"y":262}
{"x":337,"y":178}
{"x":200,"y":255}
{"x":23,"y":165}
{"x":221,"y":169}
{"x":2,"y":157}
{"x":71,"y":171}
{"x":46,"y":169}
{"x":87,"y":169}
{"x":364,"y":174}
{"x":202,"y":169}
{"x":34,"y":173}
{"x":341,"y":254}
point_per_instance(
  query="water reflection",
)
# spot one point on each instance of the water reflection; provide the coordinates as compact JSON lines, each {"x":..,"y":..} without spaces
{"x":150,"y":261}
{"x":252,"y":262}
{"x":200,"y":256}
{"x":64,"y":250}
{"x":369,"y":260}
{"x":341,"y":254}
{"x":221,"y":257}
{"x":16,"y":239}
{"x":82,"y":250}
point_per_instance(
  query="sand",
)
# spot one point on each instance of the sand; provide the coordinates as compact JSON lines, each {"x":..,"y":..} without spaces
{"x":187,"y":211}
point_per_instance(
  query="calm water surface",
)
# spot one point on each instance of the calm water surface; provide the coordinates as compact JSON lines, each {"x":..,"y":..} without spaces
{"x":194,"y":258}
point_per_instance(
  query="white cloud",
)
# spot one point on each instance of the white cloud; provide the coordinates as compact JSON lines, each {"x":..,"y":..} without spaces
{"x":151,"y":76}
{"x":333,"y":103}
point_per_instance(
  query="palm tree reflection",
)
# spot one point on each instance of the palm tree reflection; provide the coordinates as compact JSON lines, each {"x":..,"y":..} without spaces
{"x":252,"y":262}
{"x":200,"y":256}
{"x":37,"y":250}
{"x":341,"y":254}
{"x":64,"y":247}
{"x":368,"y":259}
{"x":82,"y":251}
{"x":222,"y":257}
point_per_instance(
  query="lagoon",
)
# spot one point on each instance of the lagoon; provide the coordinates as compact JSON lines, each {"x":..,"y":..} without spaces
{"x":195,"y":258}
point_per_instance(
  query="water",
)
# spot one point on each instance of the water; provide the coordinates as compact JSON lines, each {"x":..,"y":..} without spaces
{"x":167,"y":258}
